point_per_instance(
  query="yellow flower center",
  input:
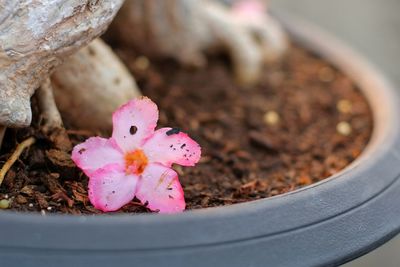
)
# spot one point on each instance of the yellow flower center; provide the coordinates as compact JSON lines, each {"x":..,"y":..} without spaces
{"x":135,"y":162}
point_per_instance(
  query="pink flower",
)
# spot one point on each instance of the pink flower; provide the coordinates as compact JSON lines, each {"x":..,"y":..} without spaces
{"x":136,"y":161}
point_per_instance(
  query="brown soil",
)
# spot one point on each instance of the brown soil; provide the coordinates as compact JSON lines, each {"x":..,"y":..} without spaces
{"x":303,"y":123}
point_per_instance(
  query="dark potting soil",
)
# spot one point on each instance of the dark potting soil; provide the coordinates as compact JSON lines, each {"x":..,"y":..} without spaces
{"x":304,"y":122}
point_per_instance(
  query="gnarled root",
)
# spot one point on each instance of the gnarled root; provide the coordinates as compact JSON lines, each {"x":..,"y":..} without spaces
{"x":90,"y":85}
{"x":52,"y":122}
{"x":185,"y":29}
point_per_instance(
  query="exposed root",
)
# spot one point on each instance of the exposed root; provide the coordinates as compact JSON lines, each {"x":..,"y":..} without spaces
{"x":15,"y":156}
{"x":49,"y":112}
{"x":53,"y":124}
{"x":91,"y":85}
{"x":2,"y":133}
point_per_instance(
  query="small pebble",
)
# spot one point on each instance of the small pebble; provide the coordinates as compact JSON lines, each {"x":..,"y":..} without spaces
{"x":344,"y":106}
{"x":4,"y":204}
{"x":49,"y":208}
{"x":30,"y":205}
{"x":271,"y":117}
{"x":326,"y":74}
{"x":6,"y":196}
{"x":344,"y":128}
{"x":142,"y":63}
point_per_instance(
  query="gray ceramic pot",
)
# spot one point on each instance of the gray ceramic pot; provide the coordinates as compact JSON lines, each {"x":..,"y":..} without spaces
{"x":324,"y":224}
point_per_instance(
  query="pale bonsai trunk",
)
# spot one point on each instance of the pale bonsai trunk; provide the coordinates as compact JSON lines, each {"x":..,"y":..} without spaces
{"x":34,"y":38}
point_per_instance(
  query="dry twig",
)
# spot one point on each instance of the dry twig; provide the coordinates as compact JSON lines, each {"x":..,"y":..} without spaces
{"x":14,"y":157}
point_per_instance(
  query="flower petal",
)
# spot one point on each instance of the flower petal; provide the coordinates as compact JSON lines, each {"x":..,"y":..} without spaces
{"x":96,"y":152}
{"x":160,"y":187}
{"x":110,"y":188}
{"x":168,"y":146}
{"x":134,"y":122}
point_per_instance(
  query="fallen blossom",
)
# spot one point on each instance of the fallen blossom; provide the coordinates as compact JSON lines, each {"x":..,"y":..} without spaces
{"x":136,"y":161}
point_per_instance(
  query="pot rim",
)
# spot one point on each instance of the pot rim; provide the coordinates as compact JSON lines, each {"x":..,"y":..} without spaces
{"x":337,"y":196}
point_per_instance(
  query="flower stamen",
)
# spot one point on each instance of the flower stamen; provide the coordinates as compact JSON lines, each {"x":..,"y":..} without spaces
{"x":135,"y":162}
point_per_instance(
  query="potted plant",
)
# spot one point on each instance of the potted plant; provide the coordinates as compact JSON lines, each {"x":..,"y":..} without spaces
{"x":325,"y":223}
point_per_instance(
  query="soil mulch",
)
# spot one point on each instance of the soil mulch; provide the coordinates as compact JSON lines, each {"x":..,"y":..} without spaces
{"x":304,"y":122}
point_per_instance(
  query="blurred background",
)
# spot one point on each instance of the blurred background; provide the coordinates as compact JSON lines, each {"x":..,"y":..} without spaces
{"x":372,"y":28}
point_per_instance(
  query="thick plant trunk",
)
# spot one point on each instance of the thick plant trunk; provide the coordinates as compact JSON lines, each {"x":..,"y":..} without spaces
{"x":35,"y":36}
